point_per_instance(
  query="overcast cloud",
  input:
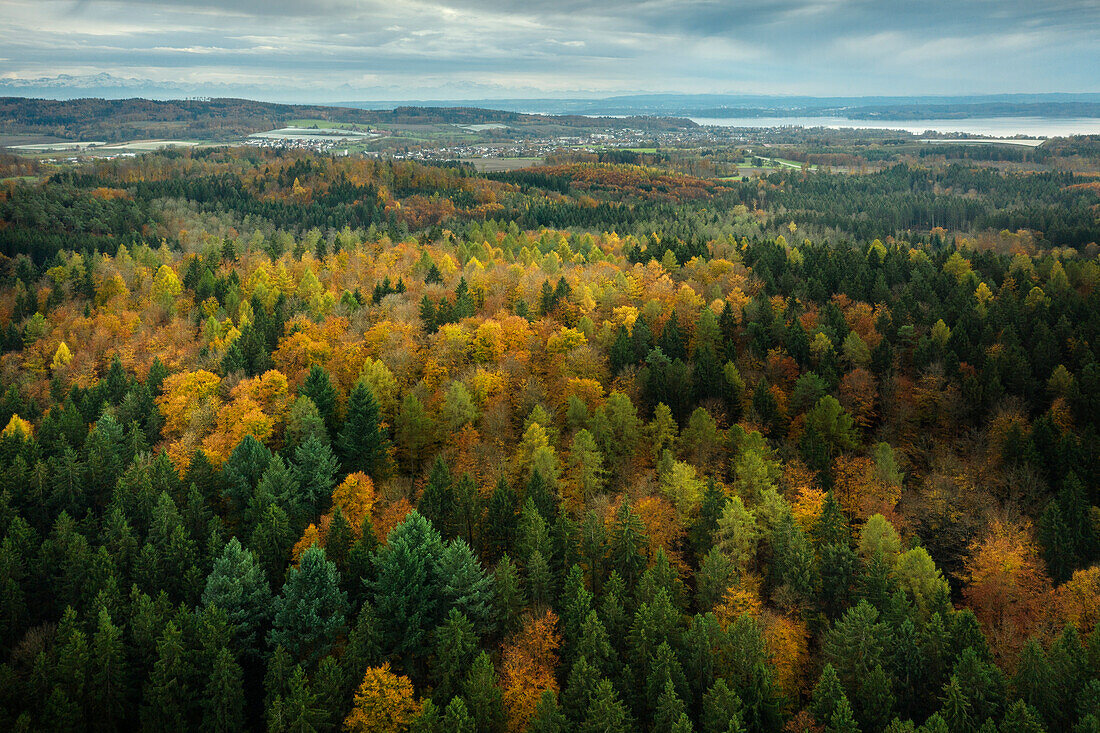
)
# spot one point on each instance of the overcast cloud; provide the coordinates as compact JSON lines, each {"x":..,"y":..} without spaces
{"x":327,"y":50}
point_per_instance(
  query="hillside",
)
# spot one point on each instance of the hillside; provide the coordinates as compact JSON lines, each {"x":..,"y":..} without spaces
{"x":228,"y":119}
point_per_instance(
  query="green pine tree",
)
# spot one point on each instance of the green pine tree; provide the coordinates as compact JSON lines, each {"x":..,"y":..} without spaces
{"x":310,"y":613}
{"x":363,"y":441}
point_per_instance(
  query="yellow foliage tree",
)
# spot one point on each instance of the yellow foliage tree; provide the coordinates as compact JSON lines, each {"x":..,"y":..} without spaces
{"x":19,"y":428}
{"x":62,"y":356}
{"x":166,"y":286}
{"x":788,"y":641}
{"x":355,"y":496}
{"x":1077,"y":601}
{"x":384,"y":703}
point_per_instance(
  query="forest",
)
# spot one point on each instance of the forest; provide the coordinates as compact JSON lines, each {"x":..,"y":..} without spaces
{"x":223,"y":119}
{"x":293,"y":442}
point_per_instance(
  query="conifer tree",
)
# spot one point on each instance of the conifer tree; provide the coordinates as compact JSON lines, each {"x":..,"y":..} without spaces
{"x":627,"y":544}
{"x":548,"y":716}
{"x":310,"y":613}
{"x":483,"y":695}
{"x":438,"y":499}
{"x":406,"y":586}
{"x":318,"y":388}
{"x":110,"y":675}
{"x":455,"y":646}
{"x":168,"y":694}
{"x":363,"y":441}
{"x":223,"y":701}
{"x":315,"y":468}
{"x":456,"y":718}
{"x":605,"y":712}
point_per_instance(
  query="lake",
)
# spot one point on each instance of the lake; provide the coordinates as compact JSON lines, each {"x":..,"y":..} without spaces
{"x":992,"y":126}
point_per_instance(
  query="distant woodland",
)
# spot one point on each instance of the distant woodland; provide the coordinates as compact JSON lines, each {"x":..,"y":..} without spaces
{"x":229,"y":119}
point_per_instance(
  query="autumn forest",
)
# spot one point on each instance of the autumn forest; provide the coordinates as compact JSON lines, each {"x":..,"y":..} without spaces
{"x":300,"y":442}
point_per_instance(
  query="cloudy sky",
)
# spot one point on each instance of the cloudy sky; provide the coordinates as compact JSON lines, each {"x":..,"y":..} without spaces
{"x":402,"y":49}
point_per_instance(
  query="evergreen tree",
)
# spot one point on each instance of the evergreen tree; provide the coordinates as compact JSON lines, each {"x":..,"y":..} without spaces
{"x":669,"y":708}
{"x":627,"y":544}
{"x":455,"y":646}
{"x":238,"y":587}
{"x":456,"y":718}
{"x":483,"y":695}
{"x":110,"y":678}
{"x":605,"y":712}
{"x":223,"y":703}
{"x":721,"y":709}
{"x":168,"y":693}
{"x":363,"y":442}
{"x":438,"y":499}
{"x":310,"y":613}
{"x":318,"y":388}
{"x":826,"y":695}
{"x":406,"y":587}
{"x":548,"y":716}
{"x":841,"y":720}
{"x":242,"y":472}
{"x":315,"y":468}
{"x":501,"y":520}
{"x":508,"y":594}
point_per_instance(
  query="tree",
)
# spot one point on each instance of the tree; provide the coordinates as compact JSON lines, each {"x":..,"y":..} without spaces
{"x":315,"y":468}
{"x":168,"y":695}
{"x":605,"y":713}
{"x":464,"y":584}
{"x":438,"y":498}
{"x":721,"y":710}
{"x":826,"y":695}
{"x":243,"y":471}
{"x":585,"y":472}
{"x":223,"y":704}
{"x":363,"y":441}
{"x":484,"y":696}
{"x":406,"y":586}
{"x":414,"y":430}
{"x":627,"y":543}
{"x":527,"y":668}
{"x":458,"y":408}
{"x":304,"y":421}
{"x":1007,"y":586}
{"x":669,"y":710}
{"x":109,"y":683}
{"x":310,"y":613}
{"x":384,"y":702}
{"x":737,"y":534}
{"x":548,"y":717}
{"x":237,"y":586}
{"x":916,"y":573}
{"x":842,"y":720}
{"x":318,"y":388}
{"x":456,"y":719}
{"x":828,"y":431}
{"x":856,"y":644}
{"x":455,"y":644}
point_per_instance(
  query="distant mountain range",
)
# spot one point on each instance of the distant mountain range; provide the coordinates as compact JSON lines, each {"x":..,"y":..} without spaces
{"x":108,"y":86}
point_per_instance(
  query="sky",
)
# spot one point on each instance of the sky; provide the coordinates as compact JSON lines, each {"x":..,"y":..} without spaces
{"x":344,"y":50}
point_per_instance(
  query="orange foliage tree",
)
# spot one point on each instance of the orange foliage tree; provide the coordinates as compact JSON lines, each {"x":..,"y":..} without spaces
{"x":1007,"y":587}
{"x":527,"y":669}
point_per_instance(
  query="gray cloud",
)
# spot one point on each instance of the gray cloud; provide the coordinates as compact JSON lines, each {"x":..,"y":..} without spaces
{"x":331,"y":48}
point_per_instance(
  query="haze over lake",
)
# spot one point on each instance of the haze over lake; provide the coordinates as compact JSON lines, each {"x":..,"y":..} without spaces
{"x":991,"y":126}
